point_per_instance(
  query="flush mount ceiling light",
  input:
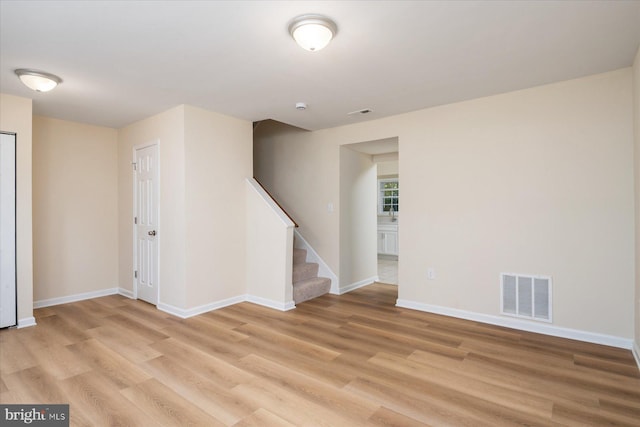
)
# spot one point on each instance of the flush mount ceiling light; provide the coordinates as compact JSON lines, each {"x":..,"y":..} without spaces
{"x":312,"y":32}
{"x":38,"y":80}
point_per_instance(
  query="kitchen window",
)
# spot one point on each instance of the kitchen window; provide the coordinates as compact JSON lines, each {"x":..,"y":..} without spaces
{"x":388,"y":196}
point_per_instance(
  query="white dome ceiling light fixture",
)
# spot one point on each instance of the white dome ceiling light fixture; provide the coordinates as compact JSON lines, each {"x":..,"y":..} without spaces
{"x":312,"y":32}
{"x":38,"y":80}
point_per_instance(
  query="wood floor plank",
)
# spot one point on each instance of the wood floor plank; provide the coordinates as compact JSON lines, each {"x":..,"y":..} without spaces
{"x":221,"y":321}
{"x":331,"y":337}
{"x":97,"y":399}
{"x":207,"y":364}
{"x":531,"y":356}
{"x":36,"y":383}
{"x":118,"y":369}
{"x":338,"y":360}
{"x":262,"y":418}
{"x":397,"y":326}
{"x":166,"y":407}
{"x":208,"y":343}
{"x":309,"y":310}
{"x":9,"y":397}
{"x":62,"y":330}
{"x":396,"y":341}
{"x":14,"y":355}
{"x":294,"y":345}
{"x":522,"y":402}
{"x":113,"y":301}
{"x":75,"y":314}
{"x":290,"y":406}
{"x":220,"y":333}
{"x":387,"y":417}
{"x":129,"y":346}
{"x":513,"y":380}
{"x":311,"y":388}
{"x":146,"y":314}
{"x":415,"y":406}
{"x":60,"y":362}
{"x":626,"y":388}
{"x":43,"y":336}
{"x":606,"y":366}
{"x":312,"y":366}
{"x":138,"y":330}
{"x":90,"y":306}
{"x":218,"y":401}
{"x":569,"y":414}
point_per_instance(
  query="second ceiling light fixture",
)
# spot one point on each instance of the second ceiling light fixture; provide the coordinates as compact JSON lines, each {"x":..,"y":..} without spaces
{"x":312,"y":32}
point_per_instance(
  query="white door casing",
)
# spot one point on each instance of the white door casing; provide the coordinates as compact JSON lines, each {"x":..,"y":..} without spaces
{"x":146,"y":222}
{"x":8,"y":312}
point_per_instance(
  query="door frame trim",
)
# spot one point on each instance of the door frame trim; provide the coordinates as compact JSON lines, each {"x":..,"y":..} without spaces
{"x":135,"y":148}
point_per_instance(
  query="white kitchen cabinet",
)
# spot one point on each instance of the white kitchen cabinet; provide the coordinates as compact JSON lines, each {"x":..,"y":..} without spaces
{"x":388,"y":239}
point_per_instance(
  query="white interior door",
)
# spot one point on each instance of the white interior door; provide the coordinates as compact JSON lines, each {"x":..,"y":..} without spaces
{"x":146,"y":194}
{"x":8,"y":313}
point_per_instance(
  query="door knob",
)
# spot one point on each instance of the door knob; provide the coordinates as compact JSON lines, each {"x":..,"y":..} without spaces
{"x":152,"y":233}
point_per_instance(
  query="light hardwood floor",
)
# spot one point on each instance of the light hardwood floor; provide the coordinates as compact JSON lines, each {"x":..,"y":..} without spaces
{"x":347,"y":360}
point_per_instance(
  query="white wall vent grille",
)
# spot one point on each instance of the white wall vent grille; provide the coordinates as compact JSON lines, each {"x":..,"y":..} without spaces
{"x":528,"y":297}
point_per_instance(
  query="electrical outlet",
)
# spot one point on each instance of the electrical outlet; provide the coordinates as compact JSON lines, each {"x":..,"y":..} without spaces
{"x":431,"y":273}
{"x":329,"y":207}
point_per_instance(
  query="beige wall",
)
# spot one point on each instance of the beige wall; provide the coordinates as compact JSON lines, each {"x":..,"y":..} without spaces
{"x":301,"y":171}
{"x":388,"y":169}
{"x":358,"y":219}
{"x":168,"y":129}
{"x":538,"y":181}
{"x":16,"y":117}
{"x":75,"y":208}
{"x":269,"y":243}
{"x":218,"y":159}
{"x":204,"y":159}
{"x":535,"y":182}
{"x":636,"y":122}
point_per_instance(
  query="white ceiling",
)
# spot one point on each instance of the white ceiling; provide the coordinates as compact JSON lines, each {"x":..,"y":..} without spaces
{"x":124,"y":61}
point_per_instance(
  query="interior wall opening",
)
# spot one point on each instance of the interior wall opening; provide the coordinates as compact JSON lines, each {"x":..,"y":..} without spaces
{"x":384,"y":155}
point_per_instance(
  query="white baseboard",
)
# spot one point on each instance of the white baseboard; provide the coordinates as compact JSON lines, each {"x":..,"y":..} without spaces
{"x":545,"y":329}
{"x":636,"y":353}
{"x":190,"y":312}
{"x":290,"y":305}
{"x":357,"y":285}
{"x":168,"y":308}
{"x":312,"y":256}
{"x":26,"y":322}
{"x":125,"y":293}
{"x":73,"y":298}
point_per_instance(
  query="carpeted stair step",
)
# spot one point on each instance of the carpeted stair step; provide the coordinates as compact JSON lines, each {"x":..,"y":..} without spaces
{"x":304,"y":271}
{"x":310,"y":288}
{"x":299,"y":256}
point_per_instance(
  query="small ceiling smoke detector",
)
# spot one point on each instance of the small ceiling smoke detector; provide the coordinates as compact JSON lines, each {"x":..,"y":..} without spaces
{"x":38,"y":80}
{"x":301,"y":106}
{"x":363,"y":111}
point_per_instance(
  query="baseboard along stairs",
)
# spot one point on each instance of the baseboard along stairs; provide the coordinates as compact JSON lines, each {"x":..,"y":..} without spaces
{"x":306,"y":283}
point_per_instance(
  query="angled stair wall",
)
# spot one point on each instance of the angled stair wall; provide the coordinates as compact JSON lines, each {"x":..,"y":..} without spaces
{"x":269,"y":237}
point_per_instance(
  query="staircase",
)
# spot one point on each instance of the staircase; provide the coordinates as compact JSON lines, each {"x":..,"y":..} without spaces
{"x":306,"y":283}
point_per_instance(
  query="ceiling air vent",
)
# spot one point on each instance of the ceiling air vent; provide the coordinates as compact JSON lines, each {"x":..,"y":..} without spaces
{"x":363,"y":111}
{"x":528,"y":297}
